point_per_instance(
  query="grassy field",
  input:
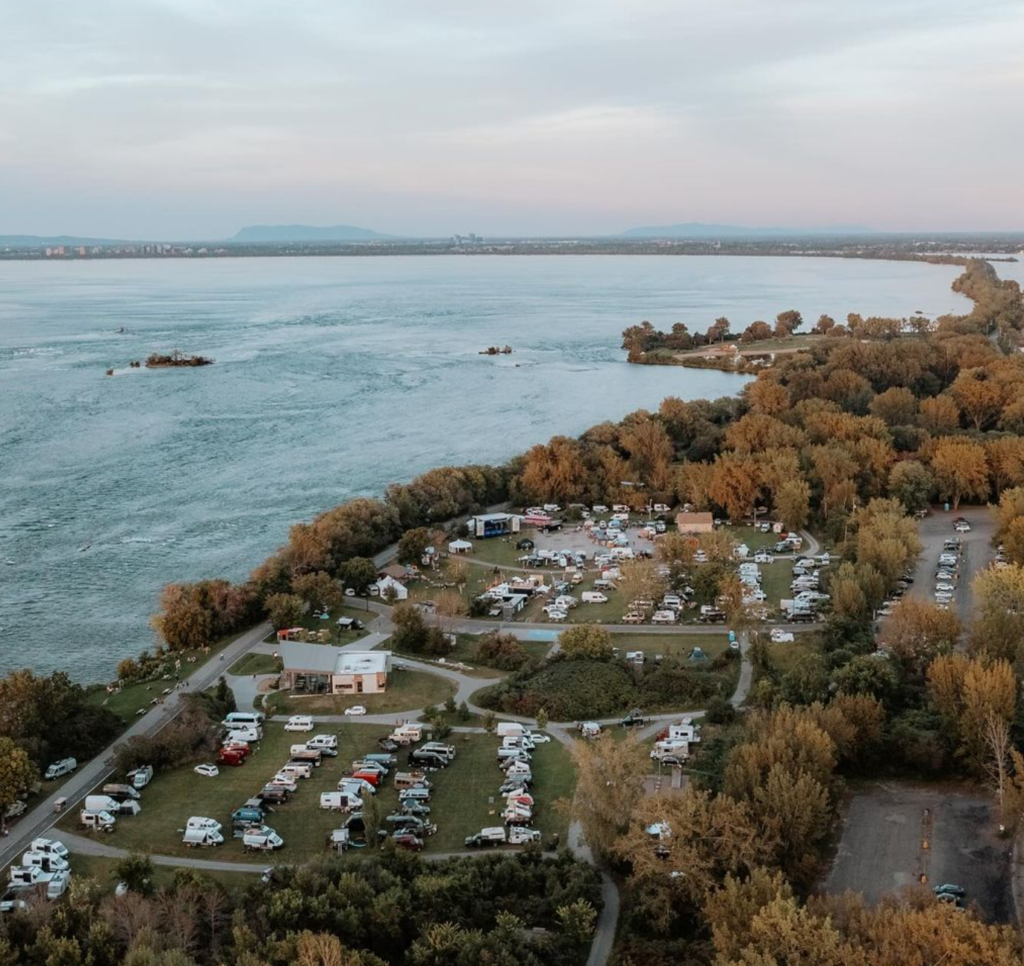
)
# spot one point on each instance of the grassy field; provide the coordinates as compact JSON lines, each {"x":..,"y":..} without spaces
{"x":461,"y":802}
{"x":672,"y":645}
{"x":102,"y":869}
{"x":776,"y":581}
{"x":499,"y":551}
{"x":253,"y":663}
{"x":173,"y":796}
{"x":407,"y":691}
{"x":466,"y":797}
{"x":785,"y":657}
{"x":465,"y":653}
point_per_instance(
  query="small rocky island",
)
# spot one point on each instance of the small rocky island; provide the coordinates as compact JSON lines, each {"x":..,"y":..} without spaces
{"x":175,"y":360}
{"x":496,"y":351}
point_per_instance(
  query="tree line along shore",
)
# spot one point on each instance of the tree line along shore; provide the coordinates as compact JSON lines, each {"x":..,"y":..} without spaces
{"x":849,"y":438}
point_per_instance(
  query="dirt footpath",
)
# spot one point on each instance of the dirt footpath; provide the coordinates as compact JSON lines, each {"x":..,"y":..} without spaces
{"x":894,"y":833}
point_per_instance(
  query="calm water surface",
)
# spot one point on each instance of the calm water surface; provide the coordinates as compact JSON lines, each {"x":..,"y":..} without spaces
{"x":334,"y":377}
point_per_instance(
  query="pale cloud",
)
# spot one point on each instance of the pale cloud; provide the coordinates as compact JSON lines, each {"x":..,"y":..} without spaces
{"x":189,"y":118}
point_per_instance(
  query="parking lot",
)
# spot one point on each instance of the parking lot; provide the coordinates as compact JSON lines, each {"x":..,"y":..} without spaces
{"x":574,"y":539}
{"x":977,"y":553}
{"x":464,"y":797}
{"x":894,"y":833}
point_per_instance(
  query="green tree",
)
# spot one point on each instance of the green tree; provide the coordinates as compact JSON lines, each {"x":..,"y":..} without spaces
{"x":577,"y":920}
{"x":318,"y":589}
{"x":411,"y":630}
{"x":793,"y":504}
{"x":284,"y":610}
{"x":586,"y":642}
{"x":911,"y":482}
{"x":136,"y":872}
{"x":17,"y":774}
{"x":358,"y":573}
{"x":413,"y":545}
{"x":542,"y":720}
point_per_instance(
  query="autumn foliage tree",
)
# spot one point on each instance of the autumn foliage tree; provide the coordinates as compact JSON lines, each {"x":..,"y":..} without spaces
{"x":918,"y":631}
{"x":961,"y":470}
{"x":609,"y":784}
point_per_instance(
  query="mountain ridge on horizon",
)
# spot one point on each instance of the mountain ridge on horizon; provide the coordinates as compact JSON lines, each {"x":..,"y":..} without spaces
{"x":296,"y":233}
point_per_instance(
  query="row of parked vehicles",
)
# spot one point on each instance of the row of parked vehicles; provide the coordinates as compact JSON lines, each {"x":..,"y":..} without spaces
{"x":410,"y":823}
{"x":101,"y":810}
{"x":514,"y":756}
{"x":42,"y":871}
{"x":948,"y":570}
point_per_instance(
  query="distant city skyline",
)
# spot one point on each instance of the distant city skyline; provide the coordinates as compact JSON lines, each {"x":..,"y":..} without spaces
{"x":190,"y":119}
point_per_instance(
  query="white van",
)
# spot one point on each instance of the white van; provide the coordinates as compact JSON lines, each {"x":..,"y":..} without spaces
{"x":244,"y":735}
{"x":201,"y":823}
{"x":592,"y":597}
{"x":98,"y":820}
{"x":60,"y":768}
{"x":50,"y":847}
{"x":261,"y":837}
{"x":618,"y":508}
{"x":328,"y":744}
{"x":340,"y":802}
{"x":244,"y":719}
{"x":297,"y":769}
{"x":101,"y":803}
{"x":299,"y":722}
{"x":203,"y":838}
{"x":45,"y":861}
{"x":140,"y":777}
{"x":356,"y":786}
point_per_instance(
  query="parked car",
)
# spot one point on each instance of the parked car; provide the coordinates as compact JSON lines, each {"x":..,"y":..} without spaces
{"x":207,"y":770}
{"x":408,"y":841}
{"x":356,"y":710}
{"x":779,"y":636}
{"x":299,"y":722}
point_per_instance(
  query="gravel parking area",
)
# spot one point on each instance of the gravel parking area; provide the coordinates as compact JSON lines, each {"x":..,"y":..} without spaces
{"x":977,"y":553}
{"x":895,"y":832}
{"x":569,"y":538}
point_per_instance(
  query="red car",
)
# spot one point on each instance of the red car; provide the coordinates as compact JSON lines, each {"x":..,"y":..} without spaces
{"x":368,"y":776}
{"x":229,"y":757}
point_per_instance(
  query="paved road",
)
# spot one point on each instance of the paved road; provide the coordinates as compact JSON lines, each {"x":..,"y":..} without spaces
{"x":978,"y":553}
{"x":92,"y":773}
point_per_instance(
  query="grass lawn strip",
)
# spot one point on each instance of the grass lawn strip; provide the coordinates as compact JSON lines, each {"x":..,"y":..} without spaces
{"x":407,"y":691}
{"x":254,"y":663}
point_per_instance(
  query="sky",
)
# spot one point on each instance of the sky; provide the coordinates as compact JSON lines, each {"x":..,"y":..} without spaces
{"x":188,"y":119}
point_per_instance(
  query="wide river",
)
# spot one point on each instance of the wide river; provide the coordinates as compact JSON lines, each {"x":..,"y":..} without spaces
{"x":333,"y":377}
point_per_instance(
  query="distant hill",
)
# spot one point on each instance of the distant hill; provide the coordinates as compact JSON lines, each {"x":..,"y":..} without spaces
{"x":698,"y":230}
{"x":36,"y":241}
{"x":307,"y":233}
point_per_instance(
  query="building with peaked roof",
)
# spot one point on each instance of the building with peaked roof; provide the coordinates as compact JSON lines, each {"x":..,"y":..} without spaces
{"x":695,"y":522}
{"x":322,"y":669}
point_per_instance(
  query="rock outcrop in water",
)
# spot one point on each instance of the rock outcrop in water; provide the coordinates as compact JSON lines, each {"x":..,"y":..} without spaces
{"x":176,"y":360}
